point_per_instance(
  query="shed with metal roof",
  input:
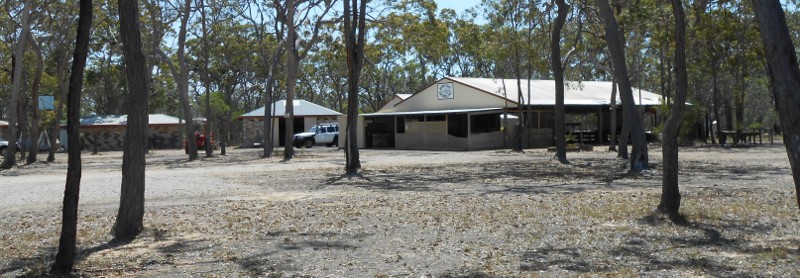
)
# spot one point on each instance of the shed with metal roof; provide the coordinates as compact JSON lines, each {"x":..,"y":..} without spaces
{"x":306,"y":115}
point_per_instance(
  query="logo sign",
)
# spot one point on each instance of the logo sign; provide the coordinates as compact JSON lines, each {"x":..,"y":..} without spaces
{"x":445,"y":91}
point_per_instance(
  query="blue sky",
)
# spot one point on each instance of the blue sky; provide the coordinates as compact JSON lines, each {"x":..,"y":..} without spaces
{"x":458,"y":5}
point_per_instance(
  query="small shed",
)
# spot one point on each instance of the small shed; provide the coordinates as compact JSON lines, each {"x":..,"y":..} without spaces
{"x":306,"y":115}
{"x":107,"y":133}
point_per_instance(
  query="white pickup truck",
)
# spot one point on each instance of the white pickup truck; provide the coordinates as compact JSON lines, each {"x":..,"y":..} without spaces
{"x":327,"y":134}
{"x":3,"y":147}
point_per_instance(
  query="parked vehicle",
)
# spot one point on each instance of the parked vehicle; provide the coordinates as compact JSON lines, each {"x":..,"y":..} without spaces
{"x":4,"y":146}
{"x":327,"y":134}
{"x":200,"y":138}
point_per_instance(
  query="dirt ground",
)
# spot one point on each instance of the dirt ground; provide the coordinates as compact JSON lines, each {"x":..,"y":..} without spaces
{"x":414,"y":213}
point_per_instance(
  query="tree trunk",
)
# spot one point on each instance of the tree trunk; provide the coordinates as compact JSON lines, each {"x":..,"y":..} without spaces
{"x":291,"y":76}
{"x":131,"y":205}
{"x":638,"y":157}
{"x":784,"y":76}
{"x":33,"y":150}
{"x":268,"y":143}
{"x":206,"y":83}
{"x":354,"y":32}
{"x":670,"y":192}
{"x":183,"y":84}
{"x":60,"y":98}
{"x":558,"y":74}
{"x":65,"y":258}
{"x":13,"y":108}
{"x":612,"y":144}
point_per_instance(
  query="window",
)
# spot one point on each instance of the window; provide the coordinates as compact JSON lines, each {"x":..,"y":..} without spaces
{"x":457,"y":125}
{"x":485,"y":123}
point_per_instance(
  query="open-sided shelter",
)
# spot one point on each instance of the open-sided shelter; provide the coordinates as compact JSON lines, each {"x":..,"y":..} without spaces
{"x":306,"y":115}
{"x":458,"y":113}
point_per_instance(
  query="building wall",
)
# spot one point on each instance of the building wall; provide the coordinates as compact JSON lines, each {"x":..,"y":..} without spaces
{"x":343,"y":129}
{"x":112,"y":138}
{"x":464,"y":97}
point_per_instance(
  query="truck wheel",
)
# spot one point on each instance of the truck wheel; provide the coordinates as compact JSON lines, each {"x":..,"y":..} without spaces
{"x":308,"y":143}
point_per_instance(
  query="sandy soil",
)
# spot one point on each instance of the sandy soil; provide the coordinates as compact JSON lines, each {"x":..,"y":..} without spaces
{"x":414,"y":213}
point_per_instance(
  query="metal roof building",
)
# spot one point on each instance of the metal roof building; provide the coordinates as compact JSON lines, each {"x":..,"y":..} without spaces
{"x":459,"y":113}
{"x":306,"y":115}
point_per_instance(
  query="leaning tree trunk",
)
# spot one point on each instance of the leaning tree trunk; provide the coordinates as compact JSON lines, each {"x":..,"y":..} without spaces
{"x":16,"y":81}
{"x":558,"y":74}
{"x":638,"y":156}
{"x":784,"y":75}
{"x":131,"y":205}
{"x":65,"y":258}
{"x":33,"y":149}
{"x":670,"y":193}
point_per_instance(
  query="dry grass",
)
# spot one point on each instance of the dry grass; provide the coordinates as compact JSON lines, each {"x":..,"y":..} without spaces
{"x":477,"y":219}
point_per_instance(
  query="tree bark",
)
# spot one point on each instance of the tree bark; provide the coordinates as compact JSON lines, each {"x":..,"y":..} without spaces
{"x":60,"y":98}
{"x":354,"y":32}
{"x":183,"y":83}
{"x":268,"y":143}
{"x":784,"y":75}
{"x":291,"y":78}
{"x":638,"y":157}
{"x":131,"y":205}
{"x":65,"y":258}
{"x":206,"y":84}
{"x":558,"y":74}
{"x":612,"y":145}
{"x":33,"y":149}
{"x":16,"y":82}
{"x":670,"y":192}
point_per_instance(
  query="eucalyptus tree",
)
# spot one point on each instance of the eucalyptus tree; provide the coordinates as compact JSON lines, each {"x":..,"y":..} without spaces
{"x":313,"y":12}
{"x":558,"y":75}
{"x":270,"y":48}
{"x":33,"y":148}
{"x":105,"y":84}
{"x":65,"y":258}
{"x":60,"y":34}
{"x":131,"y":205}
{"x":784,"y":75}
{"x":638,"y":158}
{"x":670,"y":194}
{"x":355,"y":30}
{"x":19,"y":52}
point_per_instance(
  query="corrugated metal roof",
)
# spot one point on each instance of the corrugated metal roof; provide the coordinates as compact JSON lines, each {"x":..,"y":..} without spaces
{"x":403,"y":96}
{"x":543,"y":91}
{"x":301,"y":108}
{"x":109,"y":120}
{"x":435,"y":112}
